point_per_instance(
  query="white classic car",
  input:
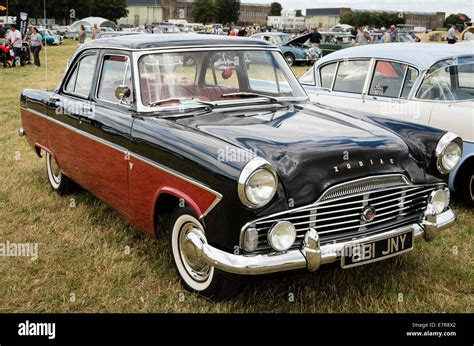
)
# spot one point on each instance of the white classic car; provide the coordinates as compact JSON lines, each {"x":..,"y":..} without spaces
{"x":431,"y":84}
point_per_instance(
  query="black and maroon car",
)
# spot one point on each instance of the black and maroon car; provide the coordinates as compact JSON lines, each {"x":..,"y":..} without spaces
{"x":217,"y":134}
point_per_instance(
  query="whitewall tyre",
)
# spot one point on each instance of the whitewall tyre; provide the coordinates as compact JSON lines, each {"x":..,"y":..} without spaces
{"x":57,"y":179}
{"x":196,"y":275}
{"x":467,"y":186}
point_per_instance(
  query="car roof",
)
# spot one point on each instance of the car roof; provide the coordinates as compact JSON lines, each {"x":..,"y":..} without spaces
{"x":159,"y":41}
{"x":421,"y":55}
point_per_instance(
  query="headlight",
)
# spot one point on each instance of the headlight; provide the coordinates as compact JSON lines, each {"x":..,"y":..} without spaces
{"x":438,"y":201}
{"x":257,"y":183}
{"x":282,"y":236}
{"x":448,"y":152}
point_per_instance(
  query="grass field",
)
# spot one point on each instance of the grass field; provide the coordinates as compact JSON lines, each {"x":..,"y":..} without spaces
{"x":85,"y":265}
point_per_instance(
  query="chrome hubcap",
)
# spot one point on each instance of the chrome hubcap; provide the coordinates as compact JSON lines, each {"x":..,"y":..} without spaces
{"x":289,"y":60}
{"x":191,"y":256}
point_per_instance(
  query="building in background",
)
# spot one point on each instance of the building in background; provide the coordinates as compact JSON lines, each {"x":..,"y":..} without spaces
{"x":287,"y":21}
{"x":327,"y":17}
{"x":253,"y":14}
{"x":153,"y":11}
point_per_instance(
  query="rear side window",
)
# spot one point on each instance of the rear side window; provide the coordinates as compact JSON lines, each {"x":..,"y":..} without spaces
{"x":80,"y":81}
{"x":388,"y":79}
{"x":350,"y":77}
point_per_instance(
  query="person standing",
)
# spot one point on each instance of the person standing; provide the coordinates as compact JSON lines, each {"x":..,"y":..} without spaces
{"x":2,"y":32}
{"x":393,"y":34}
{"x":82,"y":35}
{"x":36,"y":44}
{"x":14,"y":36}
{"x":363,"y":37}
{"x":95,"y":31}
{"x":385,"y":38}
{"x":315,"y":38}
{"x":451,"y":37}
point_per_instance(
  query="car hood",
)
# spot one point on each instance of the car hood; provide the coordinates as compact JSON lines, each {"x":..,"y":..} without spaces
{"x":298,"y":41}
{"x":310,"y":147}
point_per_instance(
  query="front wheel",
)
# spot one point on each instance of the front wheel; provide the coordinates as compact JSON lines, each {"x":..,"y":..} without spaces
{"x":290,"y":59}
{"x":196,"y":275}
{"x":467,"y":186}
{"x":57,"y":179}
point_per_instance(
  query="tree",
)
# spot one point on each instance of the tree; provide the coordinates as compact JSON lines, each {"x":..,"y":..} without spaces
{"x":298,"y":13}
{"x":109,"y":9}
{"x":228,"y":11}
{"x":459,"y":19}
{"x":376,"y":20}
{"x":204,"y":11}
{"x":275,"y":9}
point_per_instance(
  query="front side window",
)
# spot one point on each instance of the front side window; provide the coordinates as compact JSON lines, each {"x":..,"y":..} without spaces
{"x":410,"y":79}
{"x":448,"y":83}
{"x":80,"y":80}
{"x":387,"y":79}
{"x":351,"y":76}
{"x":116,"y":72}
{"x":216,"y":75}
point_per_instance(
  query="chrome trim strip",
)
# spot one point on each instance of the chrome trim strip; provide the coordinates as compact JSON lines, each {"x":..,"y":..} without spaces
{"x":127,"y":153}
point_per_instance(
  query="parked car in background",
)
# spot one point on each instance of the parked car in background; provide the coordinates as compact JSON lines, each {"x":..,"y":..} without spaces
{"x":296,"y":50}
{"x":433,"y":37}
{"x":430,"y":84}
{"x":116,"y":34}
{"x":216,"y":142}
{"x":333,"y":41}
{"x":49,"y":38}
{"x":402,"y":37}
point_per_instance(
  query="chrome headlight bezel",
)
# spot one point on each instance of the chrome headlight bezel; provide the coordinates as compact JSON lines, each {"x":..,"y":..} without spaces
{"x":446,"y":140}
{"x":251,"y":168}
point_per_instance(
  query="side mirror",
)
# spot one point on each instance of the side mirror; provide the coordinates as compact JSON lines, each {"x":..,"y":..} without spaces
{"x":122,"y":93}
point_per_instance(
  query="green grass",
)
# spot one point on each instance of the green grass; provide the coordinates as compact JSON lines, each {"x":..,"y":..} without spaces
{"x":82,"y":249}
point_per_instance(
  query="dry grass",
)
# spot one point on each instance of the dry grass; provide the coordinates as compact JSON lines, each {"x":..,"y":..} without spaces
{"x":82,"y":249}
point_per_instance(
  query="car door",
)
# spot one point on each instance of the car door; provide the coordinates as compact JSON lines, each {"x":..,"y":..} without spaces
{"x":103,"y":155}
{"x":65,"y":107}
{"x":388,"y":89}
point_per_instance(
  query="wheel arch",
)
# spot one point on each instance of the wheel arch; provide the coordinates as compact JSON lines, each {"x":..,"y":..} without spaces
{"x":465,"y":165}
{"x":167,"y":200}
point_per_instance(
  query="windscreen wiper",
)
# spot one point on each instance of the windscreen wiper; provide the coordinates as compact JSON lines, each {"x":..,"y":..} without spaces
{"x":250,"y":94}
{"x":182,"y":101}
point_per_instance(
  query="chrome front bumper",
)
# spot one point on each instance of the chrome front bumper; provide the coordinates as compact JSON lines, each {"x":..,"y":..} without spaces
{"x":311,"y":256}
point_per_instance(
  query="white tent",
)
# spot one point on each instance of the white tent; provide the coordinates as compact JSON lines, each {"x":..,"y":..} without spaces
{"x":90,"y":21}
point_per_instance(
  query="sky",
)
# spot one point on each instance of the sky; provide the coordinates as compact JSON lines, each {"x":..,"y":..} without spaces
{"x":448,"y":6}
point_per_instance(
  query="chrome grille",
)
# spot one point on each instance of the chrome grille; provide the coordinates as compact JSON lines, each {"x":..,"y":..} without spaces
{"x":336,"y":215}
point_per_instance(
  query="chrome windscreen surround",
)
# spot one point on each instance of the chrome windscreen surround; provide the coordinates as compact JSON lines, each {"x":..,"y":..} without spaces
{"x":338,"y":214}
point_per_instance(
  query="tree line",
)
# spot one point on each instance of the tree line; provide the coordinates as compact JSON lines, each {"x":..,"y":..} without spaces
{"x":68,"y":10}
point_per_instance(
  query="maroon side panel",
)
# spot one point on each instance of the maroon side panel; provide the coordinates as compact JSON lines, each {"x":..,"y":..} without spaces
{"x":35,"y":128}
{"x":147,"y":182}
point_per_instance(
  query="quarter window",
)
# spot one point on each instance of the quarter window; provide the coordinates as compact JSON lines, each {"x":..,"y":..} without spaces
{"x":350,"y":77}
{"x":81,"y":78}
{"x":410,"y":79}
{"x":388,"y":79}
{"x":116,"y":71}
{"x":327,"y":75}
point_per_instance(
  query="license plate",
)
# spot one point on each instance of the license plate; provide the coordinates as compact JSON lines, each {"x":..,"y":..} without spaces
{"x":357,"y":254}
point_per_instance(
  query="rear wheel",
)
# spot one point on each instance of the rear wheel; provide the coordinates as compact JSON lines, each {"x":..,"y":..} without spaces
{"x":57,"y":179}
{"x":290,"y":59}
{"x":467,"y":186}
{"x":196,"y":275}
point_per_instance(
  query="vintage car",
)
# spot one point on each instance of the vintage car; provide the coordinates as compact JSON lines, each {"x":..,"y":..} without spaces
{"x":213,"y":139}
{"x":431,"y":84}
{"x":297,"y":50}
{"x":50,"y":39}
{"x":333,"y":41}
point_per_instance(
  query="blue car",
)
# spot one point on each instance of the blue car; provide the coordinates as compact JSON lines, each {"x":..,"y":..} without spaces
{"x":50,"y":39}
{"x":296,"y":50}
